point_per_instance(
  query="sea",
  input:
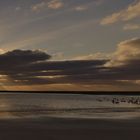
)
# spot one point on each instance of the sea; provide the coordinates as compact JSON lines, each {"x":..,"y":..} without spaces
{"x":79,"y":106}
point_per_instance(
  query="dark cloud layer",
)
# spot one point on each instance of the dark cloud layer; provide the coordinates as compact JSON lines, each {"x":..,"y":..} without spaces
{"x":34,"y":68}
{"x":53,"y":72}
{"x":31,"y":67}
{"x":21,"y":57}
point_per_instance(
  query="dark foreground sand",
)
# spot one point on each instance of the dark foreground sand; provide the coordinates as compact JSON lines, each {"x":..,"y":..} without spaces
{"x":69,"y":129}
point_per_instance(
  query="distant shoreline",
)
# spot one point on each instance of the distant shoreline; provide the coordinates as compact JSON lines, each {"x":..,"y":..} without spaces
{"x":78,"y":92}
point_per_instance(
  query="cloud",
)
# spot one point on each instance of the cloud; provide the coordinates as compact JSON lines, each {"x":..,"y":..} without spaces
{"x":39,"y":6}
{"x":81,"y":8}
{"x":53,"y":4}
{"x":126,"y":52}
{"x":88,"y":5}
{"x":96,"y":56}
{"x":131,"y":12}
{"x":32,"y":67}
{"x":18,"y":58}
{"x":27,"y":67}
{"x":131,"y":27}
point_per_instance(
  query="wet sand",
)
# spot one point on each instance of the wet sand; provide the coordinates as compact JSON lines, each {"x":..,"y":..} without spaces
{"x":69,"y":129}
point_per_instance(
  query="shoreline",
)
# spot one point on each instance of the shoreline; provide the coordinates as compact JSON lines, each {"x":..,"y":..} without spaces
{"x":133,"y":93}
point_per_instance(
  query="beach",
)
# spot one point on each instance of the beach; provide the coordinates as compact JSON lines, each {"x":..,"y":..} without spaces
{"x":69,"y":129}
{"x":69,"y":117}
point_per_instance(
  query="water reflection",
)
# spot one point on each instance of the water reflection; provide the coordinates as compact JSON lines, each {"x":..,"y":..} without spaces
{"x":79,"y":106}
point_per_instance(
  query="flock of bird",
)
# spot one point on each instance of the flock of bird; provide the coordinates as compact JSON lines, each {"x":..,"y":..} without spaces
{"x":123,"y":100}
{"x":116,"y":100}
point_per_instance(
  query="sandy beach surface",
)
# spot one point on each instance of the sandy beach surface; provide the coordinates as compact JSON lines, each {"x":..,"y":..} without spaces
{"x":69,"y":129}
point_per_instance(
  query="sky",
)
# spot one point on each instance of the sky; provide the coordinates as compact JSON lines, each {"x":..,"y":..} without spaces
{"x":86,"y":45}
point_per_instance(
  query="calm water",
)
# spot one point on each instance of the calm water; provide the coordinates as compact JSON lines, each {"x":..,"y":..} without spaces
{"x":68,"y":105}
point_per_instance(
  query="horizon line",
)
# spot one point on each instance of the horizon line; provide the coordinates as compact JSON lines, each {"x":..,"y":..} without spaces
{"x":75,"y":92}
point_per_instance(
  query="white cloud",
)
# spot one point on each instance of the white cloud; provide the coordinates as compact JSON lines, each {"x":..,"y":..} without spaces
{"x":131,"y":27}
{"x":131,"y":12}
{"x":96,"y":56}
{"x":81,"y":8}
{"x":53,"y":4}
{"x":38,"y":6}
{"x":128,"y":50}
{"x":88,"y":5}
